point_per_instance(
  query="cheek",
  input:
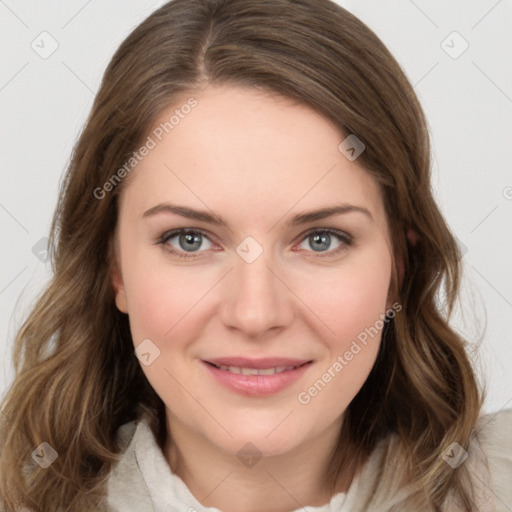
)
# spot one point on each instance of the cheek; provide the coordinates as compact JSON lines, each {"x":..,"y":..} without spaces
{"x":153,"y":295}
{"x":162,"y":298}
{"x":161,"y":302}
{"x":351,"y":298}
{"x":351,"y":301}
{"x":152,"y":305}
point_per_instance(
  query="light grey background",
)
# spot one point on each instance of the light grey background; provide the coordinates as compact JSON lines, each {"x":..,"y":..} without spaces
{"x":467,"y":99}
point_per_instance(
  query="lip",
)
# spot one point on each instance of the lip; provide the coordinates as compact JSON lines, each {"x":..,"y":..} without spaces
{"x":257,"y":385}
{"x":261,"y":363}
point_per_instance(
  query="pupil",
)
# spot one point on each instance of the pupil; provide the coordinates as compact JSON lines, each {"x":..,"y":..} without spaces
{"x":320,"y":241}
{"x":190,"y":241}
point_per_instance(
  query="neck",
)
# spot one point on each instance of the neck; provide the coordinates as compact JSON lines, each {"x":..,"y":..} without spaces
{"x":280,"y":483}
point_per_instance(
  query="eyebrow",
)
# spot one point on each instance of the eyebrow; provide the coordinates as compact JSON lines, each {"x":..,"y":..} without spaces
{"x":301,"y":218}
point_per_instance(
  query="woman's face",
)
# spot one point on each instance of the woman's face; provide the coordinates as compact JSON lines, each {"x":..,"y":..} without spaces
{"x":248,"y":240}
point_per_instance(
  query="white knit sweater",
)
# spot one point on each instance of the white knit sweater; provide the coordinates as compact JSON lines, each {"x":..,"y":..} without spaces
{"x":142,"y":480}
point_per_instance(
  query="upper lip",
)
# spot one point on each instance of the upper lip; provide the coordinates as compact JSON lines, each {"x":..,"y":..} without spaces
{"x":263,"y":363}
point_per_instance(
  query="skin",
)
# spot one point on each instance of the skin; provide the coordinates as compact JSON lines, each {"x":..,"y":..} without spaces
{"x":256,"y":160}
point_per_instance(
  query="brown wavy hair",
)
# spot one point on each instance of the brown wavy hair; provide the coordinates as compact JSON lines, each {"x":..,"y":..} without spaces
{"x":77,"y":379}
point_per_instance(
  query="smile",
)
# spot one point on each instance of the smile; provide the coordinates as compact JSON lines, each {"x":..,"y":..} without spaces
{"x":256,"y":371}
{"x":257,"y":381}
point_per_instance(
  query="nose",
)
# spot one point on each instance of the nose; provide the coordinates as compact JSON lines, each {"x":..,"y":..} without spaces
{"x":256,"y":301}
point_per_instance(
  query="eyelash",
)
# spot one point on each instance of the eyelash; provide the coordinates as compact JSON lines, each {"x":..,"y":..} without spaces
{"x":345,"y":239}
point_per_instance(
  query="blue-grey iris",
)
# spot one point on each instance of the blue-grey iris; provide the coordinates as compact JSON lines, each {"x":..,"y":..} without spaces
{"x":190,"y":241}
{"x":320,"y":241}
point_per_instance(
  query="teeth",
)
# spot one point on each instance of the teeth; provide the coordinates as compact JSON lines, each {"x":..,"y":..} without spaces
{"x":267,"y":371}
{"x":247,"y":371}
{"x":256,"y":371}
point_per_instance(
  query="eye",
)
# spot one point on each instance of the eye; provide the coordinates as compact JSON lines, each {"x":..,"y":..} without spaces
{"x":326,"y":240}
{"x":186,"y":240}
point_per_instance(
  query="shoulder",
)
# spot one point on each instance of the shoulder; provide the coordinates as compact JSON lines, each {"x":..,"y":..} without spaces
{"x":125,"y":435}
{"x":488,"y":461}
{"x":125,"y":487}
{"x":494,"y":433}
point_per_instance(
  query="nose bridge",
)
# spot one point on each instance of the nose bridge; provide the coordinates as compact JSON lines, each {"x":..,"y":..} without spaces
{"x":255,"y":301}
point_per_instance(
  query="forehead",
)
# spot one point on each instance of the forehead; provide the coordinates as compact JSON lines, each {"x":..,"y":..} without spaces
{"x":245,"y":150}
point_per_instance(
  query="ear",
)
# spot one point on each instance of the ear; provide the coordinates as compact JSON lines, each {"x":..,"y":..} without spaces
{"x":116,"y":277}
{"x":401,"y":270}
{"x":412,"y":236}
{"x":412,"y":239}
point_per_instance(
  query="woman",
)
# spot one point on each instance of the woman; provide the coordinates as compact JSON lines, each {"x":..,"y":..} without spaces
{"x":245,"y":308}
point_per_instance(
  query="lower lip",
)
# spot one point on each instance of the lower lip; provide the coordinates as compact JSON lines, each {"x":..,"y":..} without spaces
{"x":257,"y":385}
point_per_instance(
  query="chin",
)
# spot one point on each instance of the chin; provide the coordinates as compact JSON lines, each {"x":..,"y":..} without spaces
{"x":268,"y":442}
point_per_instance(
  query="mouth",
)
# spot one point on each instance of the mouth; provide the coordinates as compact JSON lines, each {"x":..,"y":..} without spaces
{"x":248,"y":370}
{"x":257,"y":377}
